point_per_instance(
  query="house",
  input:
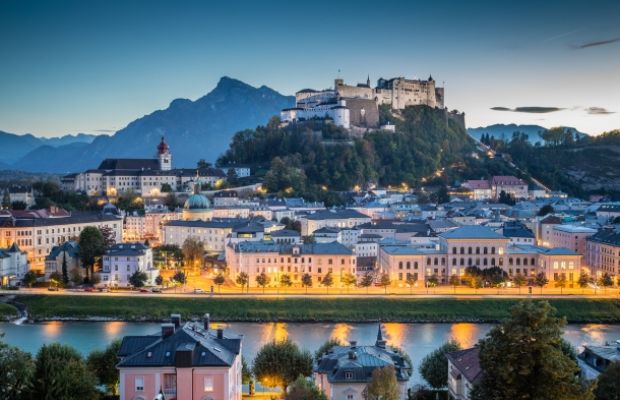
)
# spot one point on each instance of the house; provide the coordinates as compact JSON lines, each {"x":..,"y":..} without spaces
{"x":13,"y":265}
{"x":344,"y":372}
{"x":67,"y":253}
{"x":464,"y":372}
{"x":122,"y":260}
{"x":190,"y":361}
{"x":345,"y":218}
{"x":595,"y":359}
{"x":603,"y":252}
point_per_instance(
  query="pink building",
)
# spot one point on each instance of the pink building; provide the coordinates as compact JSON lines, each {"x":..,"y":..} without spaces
{"x":182,"y":362}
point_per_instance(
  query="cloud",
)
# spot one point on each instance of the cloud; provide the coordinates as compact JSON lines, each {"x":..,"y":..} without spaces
{"x":105,"y":130}
{"x":529,"y":109}
{"x":598,"y":111}
{"x":597,"y":43}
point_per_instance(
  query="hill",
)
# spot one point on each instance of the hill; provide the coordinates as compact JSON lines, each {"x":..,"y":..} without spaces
{"x":308,"y":158}
{"x":16,"y":146}
{"x":504,"y":132}
{"x":199,"y":129}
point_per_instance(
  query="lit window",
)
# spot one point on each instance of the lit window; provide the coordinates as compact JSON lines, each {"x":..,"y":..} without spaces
{"x":208,"y":383}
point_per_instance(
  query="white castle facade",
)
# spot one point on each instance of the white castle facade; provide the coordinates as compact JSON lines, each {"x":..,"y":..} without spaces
{"x":349,"y":105}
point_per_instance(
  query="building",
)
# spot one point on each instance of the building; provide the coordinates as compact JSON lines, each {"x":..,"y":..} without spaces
{"x":334,"y":110}
{"x":571,"y":237}
{"x":345,"y":218}
{"x":464,"y":372}
{"x":190,"y":361}
{"x":67,"y":253}
{"x":37,"y":231}
{"x":595,"y":359}
{"x":518,"y":233}
{"x":275,"y":260}
{"x":225,"y":198}
{"x":197,"y":207}
{"x":511,"y":185}
{"x":286,"y":236}
{"x":344,"y":372}
{"x":21,"y":194}
{"x":213,"y":234}
{"x":544,"y":229}
{"x":603,"y":253}
{"x":608,"y":211}
{"x":13,"y":265}
{"x":139,"y":228}
{"x":479,"y":189}
{"x":122,"y":260}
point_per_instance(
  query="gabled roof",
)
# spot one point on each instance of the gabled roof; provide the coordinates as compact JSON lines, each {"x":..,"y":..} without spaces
{"x":336,"y":214}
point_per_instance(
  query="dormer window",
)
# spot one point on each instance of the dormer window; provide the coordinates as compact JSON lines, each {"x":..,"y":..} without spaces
{"x":348,"y":375}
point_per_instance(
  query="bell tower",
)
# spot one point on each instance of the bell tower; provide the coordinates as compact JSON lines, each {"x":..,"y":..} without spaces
{"x":163,"y":156}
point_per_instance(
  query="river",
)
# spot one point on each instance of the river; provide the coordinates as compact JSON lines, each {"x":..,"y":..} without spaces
{"x":416,"y":339}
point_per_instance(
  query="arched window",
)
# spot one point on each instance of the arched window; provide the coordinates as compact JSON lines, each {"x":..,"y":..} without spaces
{"x":469,"y":250}
{"x":492,"y":250}
{"x":462,"y":250}
{"x":477,"y":250}
{"x":485,"y":250}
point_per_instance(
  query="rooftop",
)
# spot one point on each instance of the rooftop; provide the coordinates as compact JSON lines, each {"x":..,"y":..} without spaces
{"x":471,"y":232}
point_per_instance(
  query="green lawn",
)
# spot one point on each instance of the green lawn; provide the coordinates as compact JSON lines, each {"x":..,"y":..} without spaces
{"x":7,"y":312}
{"x":310,"y":310}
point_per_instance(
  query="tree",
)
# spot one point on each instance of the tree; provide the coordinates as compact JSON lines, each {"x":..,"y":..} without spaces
{"x":171,"y":201}
{"x":519,"y":280}
{"x":202,"y":164}
{"x":30,"y":278}
{"x":433,"y":280}
{"x":103,"y":365}
{"x":16,"y":373}
{"x":434,"y":367}
{"x":523,"y":358}
{"x":159,"y":280}
{"x":92,"y":246}
{"x":219,"y":281}
{"x":193,"y":251}
{"x":325,"y":347}
{"x":367,"y":280}
{"x":584,"y":280}
{"x":560,"y":282}
{"x":383,"y":384}
{"x":285,"y":280}
{"x":60,"y":373}
{"x":304,"y":389}
{"x":411,"y":280}
{"x":385,"y":281}
{"x":277,"y":364}
{"x":18,"y":205}
{"x":605,"y":281}
{"x":109,"y":237}
{"x":138,"y":279}
{"x":348,"y":280}
{"x":6,"y":200}
{"x":65,"y":273}
{"x":242,"y":280}
{"x":506,"y":198}
{"x":262,"y":280}
{"x":454,"y":281}
{"x":179,"y":277}
{"x":608,"y":383}
{"x":328,"y":281}
{"x":76,"y":277}
{"x":541,"y":280}
{"x":246,"y":372}
{"x":55,"y":279}
{"x":546,"y":209}
{"x":166,"y":188}
{"x":306,"y":281}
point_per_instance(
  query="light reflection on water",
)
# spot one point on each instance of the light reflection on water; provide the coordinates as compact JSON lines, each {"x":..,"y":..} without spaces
{"x":415,"y":339}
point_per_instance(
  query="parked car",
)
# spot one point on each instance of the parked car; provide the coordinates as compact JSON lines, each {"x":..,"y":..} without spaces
{"x":199,"y":291}
{"x":144,"y":290}
{"x":52,"y":288}
{"x":89,"y":289}
{"x":155,"y":290}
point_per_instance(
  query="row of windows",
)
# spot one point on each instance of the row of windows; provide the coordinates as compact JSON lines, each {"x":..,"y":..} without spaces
{"x":470,"y":250}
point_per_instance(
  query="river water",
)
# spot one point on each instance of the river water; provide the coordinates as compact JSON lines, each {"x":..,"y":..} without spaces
{"x":416,"y":339}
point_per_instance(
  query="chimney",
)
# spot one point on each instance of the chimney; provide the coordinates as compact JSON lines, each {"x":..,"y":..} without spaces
{"x":353,"y":344}
{"x":206,"y":320}
{"x":352,"y":355}
{"x":167,"y":330}
{"x":220,"y":333}
{"x":176,"y":320}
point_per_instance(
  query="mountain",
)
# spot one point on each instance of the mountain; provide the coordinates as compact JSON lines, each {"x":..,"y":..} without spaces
{"x":194,"y":130}
{"x":504,"y":132}
{"x":16,"y":146}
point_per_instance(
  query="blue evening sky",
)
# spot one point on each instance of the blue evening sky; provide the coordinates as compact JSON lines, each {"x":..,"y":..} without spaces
{"x":94,"y":66}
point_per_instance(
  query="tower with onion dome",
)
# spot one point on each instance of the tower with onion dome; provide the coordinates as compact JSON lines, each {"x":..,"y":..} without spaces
{"x":163,"y":156}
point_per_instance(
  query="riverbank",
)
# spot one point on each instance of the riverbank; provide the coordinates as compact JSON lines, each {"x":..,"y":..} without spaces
{"x":252,"y":309}
{"x":8,"y":312}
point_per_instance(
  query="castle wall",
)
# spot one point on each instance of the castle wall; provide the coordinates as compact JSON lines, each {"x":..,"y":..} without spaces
{"x":363,"y":112}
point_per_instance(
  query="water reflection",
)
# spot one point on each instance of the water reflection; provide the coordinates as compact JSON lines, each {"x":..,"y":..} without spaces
{"x":395,"y":333}
{"x":113,"y":328}
{"x":341,"y":332}
{"x":52,"y":329}
{"x":465,"y":334}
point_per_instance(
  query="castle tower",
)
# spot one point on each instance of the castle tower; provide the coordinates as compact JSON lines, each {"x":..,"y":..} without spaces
{"x":164,"y":156}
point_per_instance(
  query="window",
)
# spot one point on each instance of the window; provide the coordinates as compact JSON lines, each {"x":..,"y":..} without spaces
{"x":139,"y":383}
{"x":348,"y":375}
{"x":208,"y":383}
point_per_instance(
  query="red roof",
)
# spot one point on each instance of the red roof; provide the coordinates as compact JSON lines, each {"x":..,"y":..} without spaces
{"x":162,"y":147}
{"x":506,"y":180}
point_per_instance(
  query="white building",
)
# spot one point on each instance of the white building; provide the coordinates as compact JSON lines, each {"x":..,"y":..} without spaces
{"x":345,"y":218}
{"x":13,"y":265}
{"x":336,"y":111}
{"x":121,"y":261}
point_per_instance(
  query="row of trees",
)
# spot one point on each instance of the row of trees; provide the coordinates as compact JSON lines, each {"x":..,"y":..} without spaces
{"x":57,"y":372}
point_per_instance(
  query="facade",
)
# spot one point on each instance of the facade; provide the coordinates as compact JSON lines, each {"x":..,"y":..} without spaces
{"x":138,"y":228}
{"x":571,"y":237}
{"x":335,"y":110}
{"x":511,"y":185}
{"x":463,"y":372}
{"x":190,"y":361}
{"x":275,"y":260}
{"x":122,"y":260}
{"x":603,"y":253}
{"x":343,"y":373}
{"x":13,"y":265}
{"x":23,"y":194}
{"x":211,"y":233}
{"x":68,"y":253}
{"x":37,"y":231}
{"x":479,"y":189}
{"x":345,"y":218}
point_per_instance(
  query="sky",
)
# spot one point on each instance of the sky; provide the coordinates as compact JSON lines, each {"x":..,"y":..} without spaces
{"x":94,"y":66}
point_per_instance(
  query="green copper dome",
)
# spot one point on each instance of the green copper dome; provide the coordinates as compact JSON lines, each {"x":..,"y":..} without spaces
{"x":197,"y":202}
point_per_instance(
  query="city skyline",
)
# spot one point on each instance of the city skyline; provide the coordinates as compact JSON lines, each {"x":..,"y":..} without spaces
{"x":94,"y":68}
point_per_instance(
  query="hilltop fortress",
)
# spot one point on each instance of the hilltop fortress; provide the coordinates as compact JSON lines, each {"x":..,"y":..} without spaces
{"x":358,"y":106}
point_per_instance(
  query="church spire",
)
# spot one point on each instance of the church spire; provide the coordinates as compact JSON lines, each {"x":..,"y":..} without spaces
{"x":368,"y":81}
{"x":380,"y":341}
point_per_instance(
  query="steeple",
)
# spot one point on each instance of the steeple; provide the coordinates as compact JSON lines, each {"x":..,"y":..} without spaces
{"x":380,"y":342}
{"x":368,"y":81}
{"x":163,"y":155}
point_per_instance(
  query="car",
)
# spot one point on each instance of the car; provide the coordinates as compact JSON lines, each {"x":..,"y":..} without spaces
{"x":53,"y":288}
{"x":89,"y":289}
{"x":155,"y":290}
{"x":199,"y":291}
{"x":144,"y":290}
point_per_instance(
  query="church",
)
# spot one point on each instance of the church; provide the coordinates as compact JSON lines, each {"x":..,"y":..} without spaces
{"x":145,"y":176}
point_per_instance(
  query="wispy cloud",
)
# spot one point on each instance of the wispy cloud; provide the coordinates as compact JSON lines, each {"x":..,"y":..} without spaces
{"x":529,"y":109}
{"x":597,"y":43}
{"x":599,"y":111}
{"x":105,"y":130}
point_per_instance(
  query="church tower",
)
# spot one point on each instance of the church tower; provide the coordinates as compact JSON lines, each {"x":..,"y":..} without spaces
{"x":163,"y":156}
